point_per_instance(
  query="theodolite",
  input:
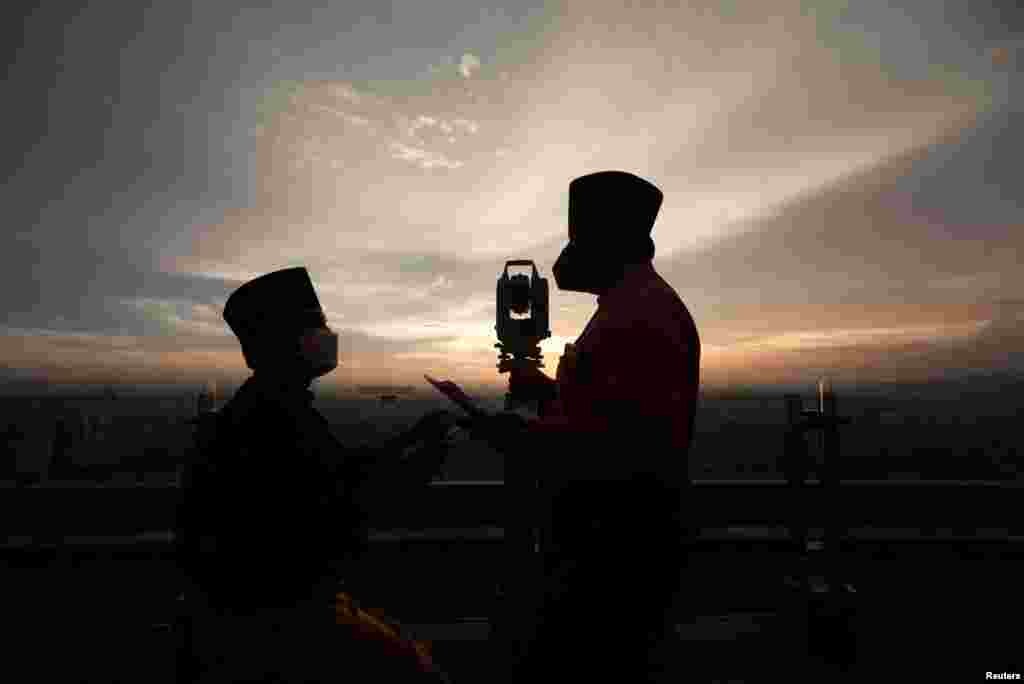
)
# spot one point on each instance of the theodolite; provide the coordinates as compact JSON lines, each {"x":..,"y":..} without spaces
{"x":522,"y":322}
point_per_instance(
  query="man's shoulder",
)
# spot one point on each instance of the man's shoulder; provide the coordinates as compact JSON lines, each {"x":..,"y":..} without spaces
{"x":666,"y":313}
{"x":663,"y":295}
{"x":245,"y":431}
{"x":257,"y":409}
{"x":657,"y":317}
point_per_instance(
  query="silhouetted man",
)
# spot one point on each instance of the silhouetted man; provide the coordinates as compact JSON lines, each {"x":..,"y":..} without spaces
{"x":612,"y":439}
{"x":275,"y":504}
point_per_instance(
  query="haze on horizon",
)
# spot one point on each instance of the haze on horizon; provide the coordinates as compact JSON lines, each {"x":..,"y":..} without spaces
{"x":839,"y":180}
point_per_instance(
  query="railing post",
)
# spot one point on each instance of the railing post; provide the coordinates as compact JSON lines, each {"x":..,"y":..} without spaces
{"x":795,"y":466}
{"x":522,"y":572}
{"x":831,"y":467}
{"x":828,"y":409}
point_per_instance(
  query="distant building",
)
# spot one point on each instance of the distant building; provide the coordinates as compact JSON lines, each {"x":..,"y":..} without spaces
{"x":93,"y":431}
{"x":60,"y":466}
{"x":204,"y":402}
{"x":872,"y":416}
{"x":10,"y":442}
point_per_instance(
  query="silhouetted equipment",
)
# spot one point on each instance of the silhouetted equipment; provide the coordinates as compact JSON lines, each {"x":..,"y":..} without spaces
{"x":519,"y":338}
{"x":831,"y":604}
{"x":797,"y":462}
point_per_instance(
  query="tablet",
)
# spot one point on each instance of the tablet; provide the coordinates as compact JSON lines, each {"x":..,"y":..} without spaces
{"x":455,"y":393}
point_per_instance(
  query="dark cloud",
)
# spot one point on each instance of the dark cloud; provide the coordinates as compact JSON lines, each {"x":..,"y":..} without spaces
{"x":82,"y":291}
{"x":994,"y":21}
{"x":351,"y":342}
{"x":859,"y":240}
{"x":864,"y":246}
{"x":975,"y":180}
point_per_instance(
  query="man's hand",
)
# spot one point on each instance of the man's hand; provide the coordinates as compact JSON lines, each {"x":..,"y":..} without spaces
{"x":429,"y":436}
{"x":433,"y":426}
{"x":498,"y":429}
{"x":528,"y":383}
{"x":410,"y":458}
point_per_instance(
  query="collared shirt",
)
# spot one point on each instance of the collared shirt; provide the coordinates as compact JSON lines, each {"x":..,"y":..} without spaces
{"x":631,"y":377}
{"x":278,"y":500}
{"x":269,"y":504}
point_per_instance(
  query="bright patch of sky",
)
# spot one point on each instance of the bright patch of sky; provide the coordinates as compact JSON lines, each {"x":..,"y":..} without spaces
{"x":402,"y":151}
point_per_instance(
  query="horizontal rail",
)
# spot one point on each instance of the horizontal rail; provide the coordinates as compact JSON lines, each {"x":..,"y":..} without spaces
{"x":119,"y":511}
{"x":162,"y":543}
{"x":858,"y":503}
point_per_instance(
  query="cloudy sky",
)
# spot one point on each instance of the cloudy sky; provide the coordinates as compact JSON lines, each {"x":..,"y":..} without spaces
{"x":839,"y":188}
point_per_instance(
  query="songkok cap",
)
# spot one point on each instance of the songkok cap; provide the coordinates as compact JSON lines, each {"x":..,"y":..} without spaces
{"x":612,"y":207}
{"x":278,"y":302}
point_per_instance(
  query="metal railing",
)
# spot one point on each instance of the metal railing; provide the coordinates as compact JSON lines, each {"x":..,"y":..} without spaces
{"x":825,"y":519}
{"x":29,"y":513}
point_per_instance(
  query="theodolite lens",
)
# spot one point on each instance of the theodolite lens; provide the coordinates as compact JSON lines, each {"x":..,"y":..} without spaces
{"x":518,"y":294}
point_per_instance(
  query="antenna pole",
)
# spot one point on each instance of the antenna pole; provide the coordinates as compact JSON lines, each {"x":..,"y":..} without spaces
{"x":797,"y":464}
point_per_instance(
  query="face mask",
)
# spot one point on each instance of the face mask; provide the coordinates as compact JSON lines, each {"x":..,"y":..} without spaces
{"x":319,"y":351}
{"x":577,"y":270}
{"x":566,"y":270}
